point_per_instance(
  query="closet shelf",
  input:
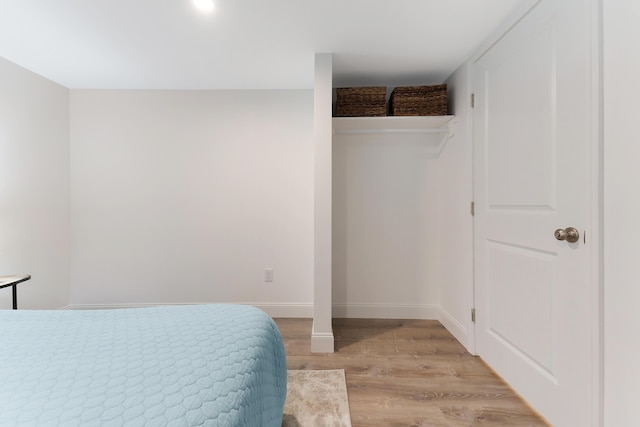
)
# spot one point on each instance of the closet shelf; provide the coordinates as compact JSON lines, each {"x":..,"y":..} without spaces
{"x":436,"y":130}
{"x":391,"y":124}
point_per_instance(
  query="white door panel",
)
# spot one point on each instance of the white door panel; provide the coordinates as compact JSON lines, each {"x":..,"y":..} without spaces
{"x":532,"y":139}
{"x":522,"y":173}
{"x":527,"y":325}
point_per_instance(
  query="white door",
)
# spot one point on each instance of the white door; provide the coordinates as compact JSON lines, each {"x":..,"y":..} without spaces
{"x":533,"y":136}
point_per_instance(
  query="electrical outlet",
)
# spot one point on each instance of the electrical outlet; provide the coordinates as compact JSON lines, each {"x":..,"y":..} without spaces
{"x":268,"y":274}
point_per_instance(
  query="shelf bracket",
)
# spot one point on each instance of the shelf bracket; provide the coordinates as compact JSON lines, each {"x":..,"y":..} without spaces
{"x":447,"y":133}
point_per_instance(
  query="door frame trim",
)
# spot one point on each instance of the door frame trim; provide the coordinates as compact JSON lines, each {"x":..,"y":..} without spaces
{"x":597,"y":208}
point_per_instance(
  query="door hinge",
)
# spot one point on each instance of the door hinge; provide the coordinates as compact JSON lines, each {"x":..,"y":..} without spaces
{"x":473,"y":208}
{"x":473,"y":315}
{"x":473,"y":100}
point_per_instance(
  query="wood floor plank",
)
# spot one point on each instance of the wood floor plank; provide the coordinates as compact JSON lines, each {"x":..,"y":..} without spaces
{"x":409,"y":373}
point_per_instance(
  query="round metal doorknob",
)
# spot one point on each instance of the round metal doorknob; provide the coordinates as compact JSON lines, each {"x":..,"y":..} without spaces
{"x":569,"y":234}
{"x":560,"y":234}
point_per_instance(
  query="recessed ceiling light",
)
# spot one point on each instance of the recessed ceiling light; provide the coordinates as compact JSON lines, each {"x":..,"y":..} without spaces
{"x":204,"y":5}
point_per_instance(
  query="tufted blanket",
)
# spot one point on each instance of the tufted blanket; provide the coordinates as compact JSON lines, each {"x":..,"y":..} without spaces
{"x":209,"y":365}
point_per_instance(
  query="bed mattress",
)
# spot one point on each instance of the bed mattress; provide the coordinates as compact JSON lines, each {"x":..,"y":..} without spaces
{"x":209,"y":365}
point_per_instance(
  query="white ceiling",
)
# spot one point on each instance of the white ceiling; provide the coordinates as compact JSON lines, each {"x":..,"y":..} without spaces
{"x":244,"y":44}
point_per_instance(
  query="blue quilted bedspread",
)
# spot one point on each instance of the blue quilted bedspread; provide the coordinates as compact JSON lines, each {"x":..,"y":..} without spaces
{"x":208,"y":365}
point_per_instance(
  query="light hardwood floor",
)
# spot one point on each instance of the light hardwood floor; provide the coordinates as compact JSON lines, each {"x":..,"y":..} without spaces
{"x":409,"y":373}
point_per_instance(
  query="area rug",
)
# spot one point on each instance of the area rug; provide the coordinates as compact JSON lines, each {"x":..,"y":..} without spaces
{"x":316,"y":399}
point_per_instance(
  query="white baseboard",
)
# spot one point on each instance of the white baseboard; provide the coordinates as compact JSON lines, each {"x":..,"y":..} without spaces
{"x":387,"y":311}
{"x":321,"y":342}
{"x":457,"y":329}
{"x":302,"y":310}
{"x":272,"y":309}
{"x":287,"y":310}
{"x":110,"y":306}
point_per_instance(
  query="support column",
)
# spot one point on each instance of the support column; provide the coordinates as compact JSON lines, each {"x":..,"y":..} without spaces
{"x":322,"y":333}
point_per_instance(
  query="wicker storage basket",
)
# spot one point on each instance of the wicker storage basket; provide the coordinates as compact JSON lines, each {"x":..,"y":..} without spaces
{"x":361,"y":101}
{"x":419,"y":101}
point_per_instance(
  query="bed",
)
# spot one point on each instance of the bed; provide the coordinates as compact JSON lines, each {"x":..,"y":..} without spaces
{"x":209,"y":365}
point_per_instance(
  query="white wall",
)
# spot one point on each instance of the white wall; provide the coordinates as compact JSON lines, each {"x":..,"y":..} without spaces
{"x":34,"y":187}
{"x":187,"y":196}
{"x":385,"y":227}
{"x":621,"y":212}
{"x":456,"y":223}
